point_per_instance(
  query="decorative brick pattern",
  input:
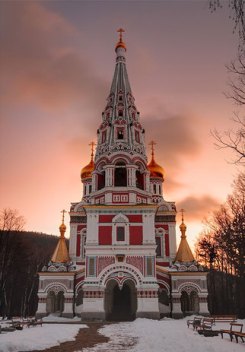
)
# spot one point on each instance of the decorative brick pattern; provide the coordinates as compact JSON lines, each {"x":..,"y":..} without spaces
{"x":135,"y":261}
{"x":147,"y":294}
{"x":103,"y":262}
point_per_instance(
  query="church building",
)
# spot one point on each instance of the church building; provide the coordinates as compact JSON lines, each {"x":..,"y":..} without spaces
{"x":122,"y":261}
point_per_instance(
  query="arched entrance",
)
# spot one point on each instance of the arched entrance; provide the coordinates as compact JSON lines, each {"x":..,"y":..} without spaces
{"x":120,"y":302}
{"x":55,"y":302}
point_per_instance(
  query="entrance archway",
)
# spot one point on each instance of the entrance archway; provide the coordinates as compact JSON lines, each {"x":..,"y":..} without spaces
{"x":120,"y":303}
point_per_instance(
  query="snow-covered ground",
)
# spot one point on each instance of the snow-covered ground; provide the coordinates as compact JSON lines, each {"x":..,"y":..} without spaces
{"x":141,"y":335}
{"x":38,"y":337}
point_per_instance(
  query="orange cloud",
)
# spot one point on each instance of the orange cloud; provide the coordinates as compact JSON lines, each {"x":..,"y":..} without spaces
{"x":198,"y":207}
{"x":39,"y":60}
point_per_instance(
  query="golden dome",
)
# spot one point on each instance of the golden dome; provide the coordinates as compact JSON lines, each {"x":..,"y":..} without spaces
{"x":62,"y":228}
{"x":155,"y":169}
{"x":120,"y":43}
{"x":87,"y":170}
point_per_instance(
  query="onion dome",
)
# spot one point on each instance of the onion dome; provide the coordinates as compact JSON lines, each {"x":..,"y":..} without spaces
{"x":120,"y":43}
{"x":87,"y":170}
{"x":60,"y":254}
{"x":155,"y":169}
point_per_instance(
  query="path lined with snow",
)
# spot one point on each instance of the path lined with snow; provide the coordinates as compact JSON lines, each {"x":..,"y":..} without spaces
{"x":167,"y":335}
{"x":141,"y":335}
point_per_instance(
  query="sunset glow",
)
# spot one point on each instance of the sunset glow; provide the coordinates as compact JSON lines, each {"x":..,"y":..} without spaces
{"x":57,"y":62}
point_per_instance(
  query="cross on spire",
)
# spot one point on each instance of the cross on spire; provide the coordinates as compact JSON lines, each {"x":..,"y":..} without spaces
{"x":63,"y":215}
{"x":182,"y":214}
{"x":120,"y":30}
{"x":152,"y":143}
{"x":93,"y":144}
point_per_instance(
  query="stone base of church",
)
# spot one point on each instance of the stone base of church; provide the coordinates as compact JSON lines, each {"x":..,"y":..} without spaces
{"x":149,"y":315}
{"x":93,"y":316}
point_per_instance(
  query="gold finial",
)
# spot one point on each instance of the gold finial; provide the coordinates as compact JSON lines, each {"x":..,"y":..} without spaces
{"x":63,"y":226}
{"x":120,"y":44}
{"x":182,"y":225}
{"x":63,"y":215}
{"x":152,"y":143}
{"x":120,"y":30}
{"x":92,"y":149}
{"x":182,"y":214}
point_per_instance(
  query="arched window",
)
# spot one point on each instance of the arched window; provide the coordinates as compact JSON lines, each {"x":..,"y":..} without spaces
{"x":139,"y":180}
{"x":194,"y":302}
{"x":163,"y":297}
{"x":79,"y":299}
{"x":185,"y":302}
{"x":120,"y":133}
{"x":120,"y":175}
{"x":101,"y":180}
{"x":60,"y":301}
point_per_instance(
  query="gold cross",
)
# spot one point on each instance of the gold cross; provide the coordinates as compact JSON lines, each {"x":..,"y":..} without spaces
{"x":63,"y":215}
{"x":120,"y":30}
{"x":152,"y":143}
{"x":92,"y":148}
{"x":182,"y":214}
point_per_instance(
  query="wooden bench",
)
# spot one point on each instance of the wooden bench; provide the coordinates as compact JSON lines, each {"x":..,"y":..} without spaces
{"x":194,"y":322}
{"x":234,"y":328}
{"x":35,"y":322}
{"x":224,"y":318}
{"x":205,"y":328}
{"x":239,"y":334}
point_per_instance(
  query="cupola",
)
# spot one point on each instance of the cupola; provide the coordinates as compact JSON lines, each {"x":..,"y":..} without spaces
{"x":87,"y":170}
{"x":184,"y":253}
{"x":60,"y":254}
{"x":155,"y":169}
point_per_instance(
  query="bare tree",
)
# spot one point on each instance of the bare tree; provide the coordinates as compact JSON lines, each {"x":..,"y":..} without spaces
{"x":10,"y":220}
{"x":233,"y":139}
{"x":221,"y":248}
{"x":237,"y":15}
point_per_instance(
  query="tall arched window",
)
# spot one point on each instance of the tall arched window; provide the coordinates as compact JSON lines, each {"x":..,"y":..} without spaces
{"x":101,"y":180}
{"x":139,"y":180}
{"x":120,"y":175}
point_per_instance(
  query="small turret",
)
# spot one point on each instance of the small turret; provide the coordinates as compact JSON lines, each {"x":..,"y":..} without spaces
{"x":60,"y":254}
{"x":184,"y":253}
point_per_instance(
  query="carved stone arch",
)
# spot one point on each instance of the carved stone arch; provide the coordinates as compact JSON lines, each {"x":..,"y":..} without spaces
{"x":166,"y":286}
{"x":189,"y":287}
{"x":127,"y":268}
{"x":120,"y":158}
{"x":120,"y":218}
{"x":141,"y":165}
{"x":163,"y":208}
{"x":79,"y":286}
{"x":79,"y":208}
{"x":120,"y":283}
{"x":160,"y":231}
{"x":56,"y":287}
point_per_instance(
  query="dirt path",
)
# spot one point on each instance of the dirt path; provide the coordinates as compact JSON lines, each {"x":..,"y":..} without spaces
{"x":88,"y":337}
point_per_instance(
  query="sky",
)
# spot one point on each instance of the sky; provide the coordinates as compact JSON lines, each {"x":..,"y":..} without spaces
{"x":57,"y":63}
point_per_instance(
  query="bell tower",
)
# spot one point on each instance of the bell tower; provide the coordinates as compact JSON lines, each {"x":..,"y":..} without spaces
{"x":120,"y":172}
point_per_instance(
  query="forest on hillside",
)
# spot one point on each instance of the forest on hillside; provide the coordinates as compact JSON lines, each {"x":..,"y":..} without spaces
{"x":22,"y":256}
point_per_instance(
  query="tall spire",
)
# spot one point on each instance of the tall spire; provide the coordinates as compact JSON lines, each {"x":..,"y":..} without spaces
{"x":184,"y":253}
{"x":60,"y":254}
{"x":120,"y":129}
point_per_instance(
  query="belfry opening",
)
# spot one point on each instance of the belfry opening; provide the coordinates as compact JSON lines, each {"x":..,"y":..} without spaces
{"x":120,"y":301}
